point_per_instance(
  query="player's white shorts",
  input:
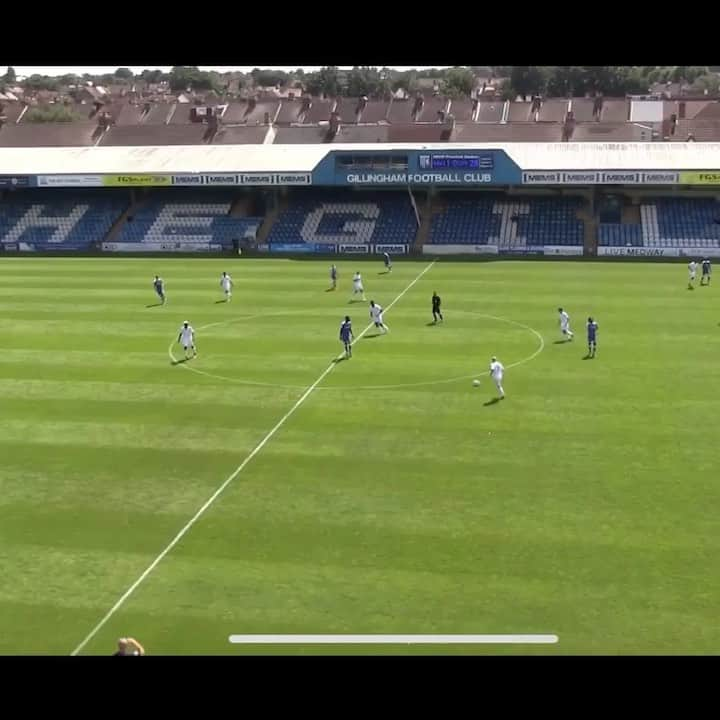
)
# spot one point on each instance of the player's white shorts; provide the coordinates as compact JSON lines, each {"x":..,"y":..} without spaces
{"x":497,"y":379}
{"x":692,"y":275}
{"x":226,"y":287}
{"x":187,"y":342}
{"x":357,"y":287}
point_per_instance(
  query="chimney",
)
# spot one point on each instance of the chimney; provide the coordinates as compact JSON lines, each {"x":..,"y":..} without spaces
{"x":417,"y":106}
{"x":448,"y":128}
{"x":333,"y":127}
{"x":568,"y":127}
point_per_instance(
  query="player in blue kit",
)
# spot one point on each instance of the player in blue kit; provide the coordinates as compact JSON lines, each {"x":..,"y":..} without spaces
{"x":159,"y":285}
{"x":706,"y":272}
{"x":592,"y":328}
{"x":346,"y":336}
{"x":388,"y":262}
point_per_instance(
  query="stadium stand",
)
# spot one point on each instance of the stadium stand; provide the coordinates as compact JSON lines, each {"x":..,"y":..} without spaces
{"x":520,"y":222}
{"x":343,"y":217}
{"x":620,"y":235}
{"x":674,"y":222}
{"x":177,"y":216}
{"x":59,"y":219}
{"x":668,"y":222}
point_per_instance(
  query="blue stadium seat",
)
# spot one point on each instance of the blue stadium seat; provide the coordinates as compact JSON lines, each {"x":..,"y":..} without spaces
{"x":619,"y":235}
{"x":59,"y":219}
{"x":682,"y":222}
{"x":337,"y":217}
{"x":189,"y":217}
{"x":507,"y":222}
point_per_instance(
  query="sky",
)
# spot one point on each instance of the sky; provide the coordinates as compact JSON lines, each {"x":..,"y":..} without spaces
{"x":26,"y":70}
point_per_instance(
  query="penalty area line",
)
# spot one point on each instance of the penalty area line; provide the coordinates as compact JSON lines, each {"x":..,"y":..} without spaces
{"x":231,"y":477}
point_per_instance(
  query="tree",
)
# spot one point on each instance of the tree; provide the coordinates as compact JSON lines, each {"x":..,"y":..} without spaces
{"x":431,"y":73}
{"x":68,"y":79}
{"x":529,"y":80}
{"x":368,"y":81}
{"x":269,"y":78}
{"x":458,"y":82}
{"x":124,"y":74}
{"x":153,"y":77}
{"x":10,"y":76}
{"x":709,"y":83}
{"x":183,"y":77}
{"x":324,"y":82}
{"x":507,"y":91}
{"x":41,"y":82}
{"x":567,"y":81}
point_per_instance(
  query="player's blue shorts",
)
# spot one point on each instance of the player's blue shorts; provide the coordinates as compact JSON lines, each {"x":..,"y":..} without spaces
{"x":591,"y":339}
{"x":706,"y":271}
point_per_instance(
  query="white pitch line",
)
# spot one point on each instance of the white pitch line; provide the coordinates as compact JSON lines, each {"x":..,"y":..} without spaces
{"x":231,"y":477}
{"x":393,"y":639}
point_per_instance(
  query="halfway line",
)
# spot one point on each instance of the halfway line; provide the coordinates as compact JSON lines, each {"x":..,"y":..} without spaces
{"x":231,"y":477}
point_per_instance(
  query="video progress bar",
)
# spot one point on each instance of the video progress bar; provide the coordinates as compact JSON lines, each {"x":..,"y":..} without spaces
{"x":394,"y":639}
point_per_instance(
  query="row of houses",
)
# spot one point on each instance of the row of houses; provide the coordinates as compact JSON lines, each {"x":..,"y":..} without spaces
{"x":97,"y":119}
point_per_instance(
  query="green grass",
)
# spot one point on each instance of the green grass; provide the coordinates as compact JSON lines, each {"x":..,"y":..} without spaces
{"x":391,"y":501}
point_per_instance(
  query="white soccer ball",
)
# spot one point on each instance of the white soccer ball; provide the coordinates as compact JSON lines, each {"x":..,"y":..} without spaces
{"x":476,"y":383}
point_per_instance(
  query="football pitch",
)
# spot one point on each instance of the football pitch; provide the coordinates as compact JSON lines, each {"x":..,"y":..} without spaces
{"x":381,"y":494}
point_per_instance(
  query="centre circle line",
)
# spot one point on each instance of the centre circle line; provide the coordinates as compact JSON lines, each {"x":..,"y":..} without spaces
{"x":425,"y":383}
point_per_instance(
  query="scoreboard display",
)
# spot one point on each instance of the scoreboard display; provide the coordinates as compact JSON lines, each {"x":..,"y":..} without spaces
{"x":456,"y":162}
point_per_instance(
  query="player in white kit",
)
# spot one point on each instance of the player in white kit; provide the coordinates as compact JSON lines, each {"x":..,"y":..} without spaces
{"x":565,"y":324}
{"x":376,"y":314}
{"x":692,"y":270}
{"x":187,"y":339}
{"x":358,"y":285}
{"x":496,"y":373}
{"x":226,"y":284}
